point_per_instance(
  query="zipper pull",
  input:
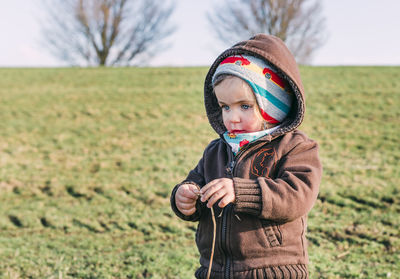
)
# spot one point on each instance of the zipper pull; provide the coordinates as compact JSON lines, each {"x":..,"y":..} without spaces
{"x":220,"y":215}
{"x":237,"y":217}
{"x":229,"y":169}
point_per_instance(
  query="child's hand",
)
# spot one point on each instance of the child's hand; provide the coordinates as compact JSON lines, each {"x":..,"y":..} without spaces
{"x":221,"y":188}
{"x":185,"y":198}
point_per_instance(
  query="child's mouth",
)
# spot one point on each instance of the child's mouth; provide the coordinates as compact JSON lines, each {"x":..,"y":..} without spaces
{"x":237,"y":131}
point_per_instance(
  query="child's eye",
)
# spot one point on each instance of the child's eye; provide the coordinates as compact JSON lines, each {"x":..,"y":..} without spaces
{"x":225,"y":107}
{"x":245,"y":106}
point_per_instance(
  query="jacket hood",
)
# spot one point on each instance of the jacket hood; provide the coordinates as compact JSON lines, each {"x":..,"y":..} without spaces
{"x":274,"y":51}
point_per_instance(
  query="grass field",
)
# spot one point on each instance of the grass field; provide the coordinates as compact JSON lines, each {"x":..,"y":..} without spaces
{"x":88,"y":158}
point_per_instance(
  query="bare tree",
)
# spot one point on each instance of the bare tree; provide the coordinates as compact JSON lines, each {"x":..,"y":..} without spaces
{"x":105,"y":32}
{"x":298,"y":23}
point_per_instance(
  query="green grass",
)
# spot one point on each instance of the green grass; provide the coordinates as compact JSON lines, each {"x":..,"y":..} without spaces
{"x":88,"y":158}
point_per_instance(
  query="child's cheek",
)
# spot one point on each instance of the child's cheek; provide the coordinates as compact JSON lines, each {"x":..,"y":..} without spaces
{"x":225,"y":120}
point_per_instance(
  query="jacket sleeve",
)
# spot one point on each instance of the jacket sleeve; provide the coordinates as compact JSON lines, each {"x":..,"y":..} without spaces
{"x":196,"y":177}
{"x":291,"y":194}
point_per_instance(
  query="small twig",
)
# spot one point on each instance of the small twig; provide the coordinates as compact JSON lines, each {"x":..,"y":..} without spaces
{"x":213,"y":242}
{"x":214,"y":237}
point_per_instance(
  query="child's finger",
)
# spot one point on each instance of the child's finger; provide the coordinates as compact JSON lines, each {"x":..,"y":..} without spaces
{"x":210,"y":191}
{"x":187,"y":191}
{"x":188,"y":212}
{"x":214,"y":198}
{"x":208,"y":186}
{"x":187,"y":205}
{"x":184,"y":199}
{"x":194,"y":188}
{"x":196,"y":191}
{"x":227,"y":199}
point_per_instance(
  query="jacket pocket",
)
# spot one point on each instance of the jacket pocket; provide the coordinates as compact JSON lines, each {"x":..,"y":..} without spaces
{"x":272,"y":233}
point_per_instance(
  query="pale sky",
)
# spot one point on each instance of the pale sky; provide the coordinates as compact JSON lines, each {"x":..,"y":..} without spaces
{"x":360,"y":32}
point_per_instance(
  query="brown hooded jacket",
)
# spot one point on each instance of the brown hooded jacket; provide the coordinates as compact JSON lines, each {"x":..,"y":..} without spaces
{"x":276,"y":181}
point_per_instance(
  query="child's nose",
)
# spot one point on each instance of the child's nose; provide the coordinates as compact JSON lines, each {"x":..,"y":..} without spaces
{"x":235,"y":117}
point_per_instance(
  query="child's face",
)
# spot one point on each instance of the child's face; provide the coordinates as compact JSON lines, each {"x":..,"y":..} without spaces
{"x":240,"y":111}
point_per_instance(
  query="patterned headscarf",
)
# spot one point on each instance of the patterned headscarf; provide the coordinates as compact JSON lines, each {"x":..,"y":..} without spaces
{"x":273,"y":99}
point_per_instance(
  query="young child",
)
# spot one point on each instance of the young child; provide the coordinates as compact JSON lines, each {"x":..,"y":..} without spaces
{"x":261,"y":176}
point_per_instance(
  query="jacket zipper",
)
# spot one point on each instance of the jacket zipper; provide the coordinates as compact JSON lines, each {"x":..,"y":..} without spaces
{"x":224,"y":242}
{"x":225,"y":214}
{"x":224,"y":229}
